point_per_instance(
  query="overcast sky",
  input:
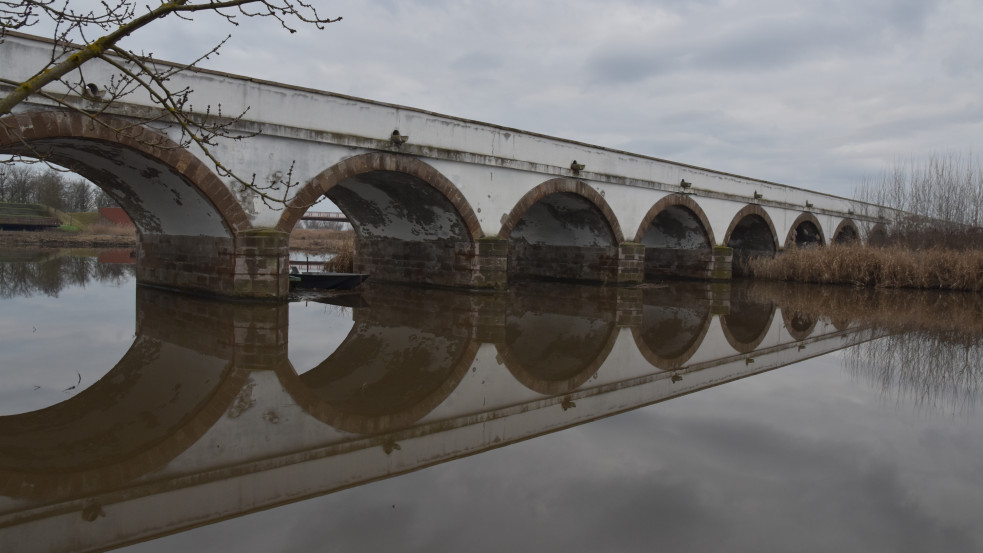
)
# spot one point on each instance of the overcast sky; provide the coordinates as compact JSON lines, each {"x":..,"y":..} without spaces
{"x":816,"y":94}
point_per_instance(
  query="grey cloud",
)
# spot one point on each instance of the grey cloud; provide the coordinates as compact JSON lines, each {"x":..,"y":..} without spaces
{"x":627,"y":64}
{"x":477,"y":61}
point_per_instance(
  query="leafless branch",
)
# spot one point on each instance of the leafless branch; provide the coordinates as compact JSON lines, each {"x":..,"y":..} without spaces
{"x":111,"y":22}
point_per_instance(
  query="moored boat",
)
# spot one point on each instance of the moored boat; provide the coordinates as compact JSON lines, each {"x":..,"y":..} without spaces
{"x":327,"y":280}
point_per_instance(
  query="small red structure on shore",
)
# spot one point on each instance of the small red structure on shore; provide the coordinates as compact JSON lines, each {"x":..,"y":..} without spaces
{"x":116,"y":216}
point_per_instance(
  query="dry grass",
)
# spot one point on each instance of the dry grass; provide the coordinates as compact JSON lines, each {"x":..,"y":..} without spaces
{"x":933,"y":268}
{"x":105,"y":228}
{"x":341,"y":243}
{"x":344,"y":259}
{"x":317,"y":241}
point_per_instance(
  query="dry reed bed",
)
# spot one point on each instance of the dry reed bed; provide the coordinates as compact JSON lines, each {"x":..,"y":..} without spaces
{"x":933,"y":268}
{"x":321,"y":241}
{"x":899,"y":311}
{"x":344,"y":259}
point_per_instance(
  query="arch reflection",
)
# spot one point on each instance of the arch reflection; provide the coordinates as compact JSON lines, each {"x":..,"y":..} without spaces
{"x":554,"y":342}
{"x":396,"y":365}
{"x":749,"y":319}
{"x":675,"y":319}
{"x":179,"y":376}
{"x":798,"y":324}
{"x":423,"y":341}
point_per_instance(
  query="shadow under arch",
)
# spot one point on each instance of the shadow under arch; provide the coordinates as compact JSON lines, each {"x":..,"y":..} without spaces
{"x":678,"y":239}
{"x":191,"y":229}
{"x":556,"y":342}
{"x":675,"y":320}
{"x":172,"y":385}
{"x":394,"y":367}
{"x":164,"y":188}
{"x":878,"y":236}
{"x":805,"y":231}
{"x":563,"y":229}
{"x":846,"y":233}
{"x":749,"y":319}
{"x":412,"y":224}
{"x":751,"y":234}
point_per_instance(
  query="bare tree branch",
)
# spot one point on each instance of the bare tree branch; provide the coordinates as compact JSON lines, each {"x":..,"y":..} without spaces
{"x":114,"y":21}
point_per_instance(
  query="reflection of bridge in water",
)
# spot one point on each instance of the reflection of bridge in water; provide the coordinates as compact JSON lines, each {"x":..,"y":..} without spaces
{"x":205,"y":418}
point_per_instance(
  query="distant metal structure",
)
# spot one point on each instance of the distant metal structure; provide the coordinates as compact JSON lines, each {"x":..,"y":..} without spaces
{"x":325,"y":216}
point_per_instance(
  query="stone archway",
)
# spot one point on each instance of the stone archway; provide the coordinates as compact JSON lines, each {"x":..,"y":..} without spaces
{"x":805,"y":231}
{"x":411,"y":223}
{"x":846,"y":233}
{"x":563,"y":229}
{"x":751,"y":234}
{"x":678,"y":239}
{"x":193,"y":233}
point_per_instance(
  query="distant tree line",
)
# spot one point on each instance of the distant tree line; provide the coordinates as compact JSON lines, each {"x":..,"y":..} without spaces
{"x":56,"y":189}
{"x":49,"y":277}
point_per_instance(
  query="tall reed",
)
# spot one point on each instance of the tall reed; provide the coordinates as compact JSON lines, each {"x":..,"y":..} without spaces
{"x":344,"y":259}
{"x":892,"y":267}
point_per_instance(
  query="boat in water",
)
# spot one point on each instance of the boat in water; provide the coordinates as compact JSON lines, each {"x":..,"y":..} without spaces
{"x":326,"y":280}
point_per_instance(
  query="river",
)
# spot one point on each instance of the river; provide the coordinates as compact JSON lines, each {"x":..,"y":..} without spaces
{"x":679,"y":417}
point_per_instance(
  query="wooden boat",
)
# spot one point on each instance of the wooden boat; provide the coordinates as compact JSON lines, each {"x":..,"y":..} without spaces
{"x":327,"y":281}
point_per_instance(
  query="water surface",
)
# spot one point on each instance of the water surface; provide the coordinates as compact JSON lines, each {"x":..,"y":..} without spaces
{"x":685,"y":417}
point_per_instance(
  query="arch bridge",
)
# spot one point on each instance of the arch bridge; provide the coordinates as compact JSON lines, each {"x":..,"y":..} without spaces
{"x":432,"y":199}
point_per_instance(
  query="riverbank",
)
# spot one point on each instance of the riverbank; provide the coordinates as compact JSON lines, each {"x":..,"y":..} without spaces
{"x":62,"y":239}
{"x":935,"y":268}
{"x":310,"y":241}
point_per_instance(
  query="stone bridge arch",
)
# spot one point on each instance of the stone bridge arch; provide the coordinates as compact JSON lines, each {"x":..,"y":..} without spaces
{"x":412,"y":224}
{"x":805,"y":231}
{"x":846,"y":233}
{"x":563,"y":229}
{"x":878,"y":236}
{"x":192,"y":230}
{"x":678,"y":239}
{"x":751,"y":234}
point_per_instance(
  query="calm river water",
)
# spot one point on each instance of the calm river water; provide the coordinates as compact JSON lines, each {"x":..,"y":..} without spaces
{"x":552,"y":417}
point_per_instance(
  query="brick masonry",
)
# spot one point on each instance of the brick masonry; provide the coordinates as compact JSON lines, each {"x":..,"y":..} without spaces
{"x":252,"y":266}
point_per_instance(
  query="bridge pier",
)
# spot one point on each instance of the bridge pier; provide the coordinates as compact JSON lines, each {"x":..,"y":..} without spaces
{"x":722,"y":263}
{"x":252,"y":265}
{"x":255,"y":263}
{"x":490,"y":263}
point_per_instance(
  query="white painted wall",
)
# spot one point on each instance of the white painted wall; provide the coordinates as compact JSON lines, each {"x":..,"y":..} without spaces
{"x":310,"y":130}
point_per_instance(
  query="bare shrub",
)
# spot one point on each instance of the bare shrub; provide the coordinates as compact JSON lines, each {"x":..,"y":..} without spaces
{"x":344,"y":259}
{"x":941,"y":195}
